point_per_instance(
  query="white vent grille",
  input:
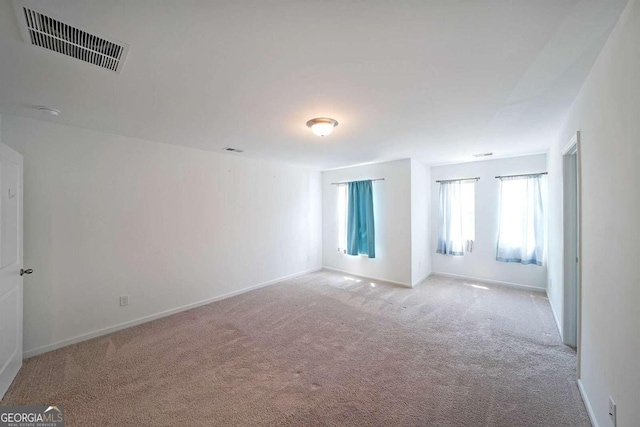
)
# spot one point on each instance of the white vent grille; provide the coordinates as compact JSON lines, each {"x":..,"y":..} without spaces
{"x":52,"y":34}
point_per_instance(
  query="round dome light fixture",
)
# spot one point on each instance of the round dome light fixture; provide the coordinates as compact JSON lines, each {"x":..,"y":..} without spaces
{"x":322,"y":126}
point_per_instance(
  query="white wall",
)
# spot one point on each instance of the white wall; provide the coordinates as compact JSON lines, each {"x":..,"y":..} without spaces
{"x":607,"y":112}
{"x":420,"y":222}
{"x":392,"y":214}
{"x":481,"y":263}
{"x":169,"y":226}
{"x":555,"y":255}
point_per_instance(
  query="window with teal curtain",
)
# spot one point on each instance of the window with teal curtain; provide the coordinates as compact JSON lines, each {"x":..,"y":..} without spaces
{"x":360,"y":227}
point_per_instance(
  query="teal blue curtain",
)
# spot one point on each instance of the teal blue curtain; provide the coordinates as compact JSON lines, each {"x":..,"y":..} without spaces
{"x":361,"y":237}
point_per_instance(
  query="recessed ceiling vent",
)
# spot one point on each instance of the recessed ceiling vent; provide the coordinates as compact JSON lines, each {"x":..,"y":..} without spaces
{"x":483,"y":155}
{"x":50,"y":33}
{"x":233,"y":150}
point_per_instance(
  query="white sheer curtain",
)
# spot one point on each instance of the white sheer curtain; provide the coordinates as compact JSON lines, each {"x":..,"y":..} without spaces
{"x":522,"y":220}
{"x":450,"y":234}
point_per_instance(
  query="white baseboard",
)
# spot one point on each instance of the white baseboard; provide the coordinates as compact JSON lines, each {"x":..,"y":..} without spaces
{"x":555,"y":316}
{"x":587,"y":404}
{"x":100,"y":332}
{"x":492,"y":282}
{"x":406,"y":285}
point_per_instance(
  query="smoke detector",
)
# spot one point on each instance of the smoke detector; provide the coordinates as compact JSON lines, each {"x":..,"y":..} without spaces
{"x":51,"y":33}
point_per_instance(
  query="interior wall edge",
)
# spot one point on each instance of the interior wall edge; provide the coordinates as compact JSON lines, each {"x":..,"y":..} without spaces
{"x":555,"y":315}
{"x":422,"y":279}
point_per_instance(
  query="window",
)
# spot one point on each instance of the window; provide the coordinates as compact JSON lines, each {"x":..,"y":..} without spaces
{"x":343,"y":212}
{"x":356,"y":230}
{"x":457,"y":217}
{"x":468,"y":207}
{"x":522,"y":220}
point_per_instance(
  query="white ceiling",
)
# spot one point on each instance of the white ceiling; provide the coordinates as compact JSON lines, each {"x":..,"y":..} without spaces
{"x":433,"y":80}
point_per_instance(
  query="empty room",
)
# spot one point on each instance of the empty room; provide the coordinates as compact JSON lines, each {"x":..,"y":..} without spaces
{"x":309,"y":213}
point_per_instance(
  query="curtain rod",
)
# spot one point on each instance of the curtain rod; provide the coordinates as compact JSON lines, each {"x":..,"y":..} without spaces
{"x":461,"y":179}
{"x":526,"y":174}
{"x":346,"y":182}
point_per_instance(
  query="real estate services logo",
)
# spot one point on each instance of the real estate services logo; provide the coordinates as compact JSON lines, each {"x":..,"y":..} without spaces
{"x":31,"y":416}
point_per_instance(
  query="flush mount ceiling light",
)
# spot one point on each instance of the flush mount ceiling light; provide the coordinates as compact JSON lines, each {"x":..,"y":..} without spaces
{"x":49,"y":111}
{"x":322,"y":126}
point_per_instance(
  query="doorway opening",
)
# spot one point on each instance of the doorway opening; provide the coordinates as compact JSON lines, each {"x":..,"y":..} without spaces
{"x":571,"y":240}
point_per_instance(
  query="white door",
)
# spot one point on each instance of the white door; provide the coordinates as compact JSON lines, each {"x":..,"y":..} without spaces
{"x":10,"y":266}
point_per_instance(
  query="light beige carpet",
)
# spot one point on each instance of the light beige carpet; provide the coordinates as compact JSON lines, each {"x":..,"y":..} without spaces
{"x":323,"y":349}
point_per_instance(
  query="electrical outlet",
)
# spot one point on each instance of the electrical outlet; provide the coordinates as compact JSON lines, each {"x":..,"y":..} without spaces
{"x":124,"y":300}
{"x":612,"y":411}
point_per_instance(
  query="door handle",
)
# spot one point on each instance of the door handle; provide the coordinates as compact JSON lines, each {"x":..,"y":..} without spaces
{"x":27,"y":271}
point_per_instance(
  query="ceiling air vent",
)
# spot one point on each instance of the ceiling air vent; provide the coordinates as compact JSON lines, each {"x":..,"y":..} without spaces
{"x":483,"y":155}
{"x":233,"y":150}
{"x":50,"y":33}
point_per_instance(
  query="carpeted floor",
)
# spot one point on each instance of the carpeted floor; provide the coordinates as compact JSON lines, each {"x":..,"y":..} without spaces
{"x":323,"y":349}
